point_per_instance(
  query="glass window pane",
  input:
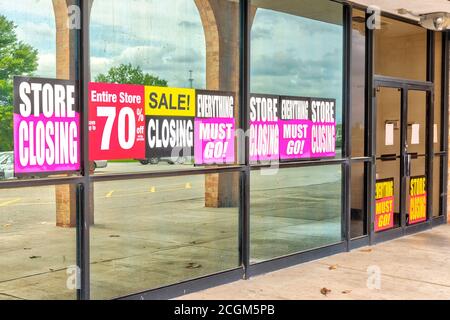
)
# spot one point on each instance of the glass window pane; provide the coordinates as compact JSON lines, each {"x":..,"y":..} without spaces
{"x":389,"y":101}
{"x":401,"y":50}
{"x":294,"y":210}
{"x":156,"y":232}
{"x":417,"y":122}
{"x":297,"y":51}
{"x":37,"y":244}
{"x":182,"y":44}
{"x":35,"y":43}
{"x":358,"y":83}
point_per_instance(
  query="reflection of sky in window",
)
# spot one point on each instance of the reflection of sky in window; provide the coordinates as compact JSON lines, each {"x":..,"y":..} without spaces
{"x":290,"y":55}
{"x":358,"y":78}
{"x":164,"y":38}
{"x":296,"y":56}
{"x":35,"y":26}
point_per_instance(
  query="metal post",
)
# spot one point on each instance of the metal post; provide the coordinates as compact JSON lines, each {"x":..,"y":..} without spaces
{"x":429,"y":125}
{"x":346,"y":127}
{"x":244,"y":245}
{"x":370,"y":132}
{"x":85,"y":188}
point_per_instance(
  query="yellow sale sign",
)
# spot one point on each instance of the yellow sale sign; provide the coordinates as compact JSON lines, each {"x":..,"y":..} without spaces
{"x":169,"y":102}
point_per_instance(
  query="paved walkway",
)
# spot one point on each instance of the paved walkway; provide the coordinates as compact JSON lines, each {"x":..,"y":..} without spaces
{"x":413,"y":267}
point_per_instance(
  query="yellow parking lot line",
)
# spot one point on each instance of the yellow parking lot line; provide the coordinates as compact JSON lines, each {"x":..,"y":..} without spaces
{"x":109,"y":195}
{"x":152,"y":189}
{"x":34,"y":204}
{"x":7,"y":203}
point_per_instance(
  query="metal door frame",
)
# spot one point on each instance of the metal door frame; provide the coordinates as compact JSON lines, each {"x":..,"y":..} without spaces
{"x":405,"y":86}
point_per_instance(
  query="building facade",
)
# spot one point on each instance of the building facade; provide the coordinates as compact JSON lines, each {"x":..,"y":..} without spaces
{"x":330,"y":124}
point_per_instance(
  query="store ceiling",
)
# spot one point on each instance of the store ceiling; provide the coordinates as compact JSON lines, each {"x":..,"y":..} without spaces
{"x":313,"y":9}
{"x":417,"y":7}
{"x":320,"y":10}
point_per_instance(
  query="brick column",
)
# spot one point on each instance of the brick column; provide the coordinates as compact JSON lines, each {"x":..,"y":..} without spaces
{"x":220,"y":20}
{"x":66,"y":54}
{"x":65,"y":69}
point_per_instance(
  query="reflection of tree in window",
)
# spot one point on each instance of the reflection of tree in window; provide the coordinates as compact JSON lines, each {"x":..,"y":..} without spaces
{"x":16,"y":58}
{"x":127,"y":74}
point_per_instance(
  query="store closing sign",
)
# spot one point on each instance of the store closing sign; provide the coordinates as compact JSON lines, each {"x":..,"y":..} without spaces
{"x":295,"y":127}
{"x":417,"y":199}
{"x":264,"y":128}
{"x":214,"y":128}
{"x":323,"y":128}
{"x":291,"y":128}
{"x":46,"y":126}
{"x":170,"y":114}
{"x":116,"y":122}
{"x":384,"y":204}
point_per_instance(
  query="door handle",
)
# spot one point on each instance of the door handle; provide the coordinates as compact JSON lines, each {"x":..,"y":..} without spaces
{"x":388,"y":157}
{"x":408,"y":165}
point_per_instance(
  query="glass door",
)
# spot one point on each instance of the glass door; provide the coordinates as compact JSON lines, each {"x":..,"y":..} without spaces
{"x":416,"y":158}
{"x":388,"y":185}
{"x":402,"y":140}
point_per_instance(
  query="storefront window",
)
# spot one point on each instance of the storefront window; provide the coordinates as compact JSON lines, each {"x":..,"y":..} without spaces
{"x":37,"y":245}
{"x":171,"y":51}
{"x":176,"y":63}
{"x":164,"y":39}
{"x":169,"y":235}
{"x":28,"y":38}
{"x":358,"y":112}
{"x":298,"y":52}
{"x":296,"y":66}
{"x":295,"y":210}
{"x":38,"y":225}
{"x":358,"y":121}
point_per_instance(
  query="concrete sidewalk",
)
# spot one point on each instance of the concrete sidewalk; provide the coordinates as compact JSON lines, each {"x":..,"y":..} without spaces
{"x":414,"y":267}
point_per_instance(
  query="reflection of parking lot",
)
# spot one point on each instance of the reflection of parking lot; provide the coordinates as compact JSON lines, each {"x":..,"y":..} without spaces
{"x":153,"y":232}
{"x":101,"y":167}
{"x":135,"y":166}
{"x":192,"y":184}
{"x":23,"y":208}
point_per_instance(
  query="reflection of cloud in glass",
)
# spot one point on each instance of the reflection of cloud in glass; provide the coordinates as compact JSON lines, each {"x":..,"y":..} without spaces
{"x":292,"y":55}
{"x":164,"y":38}
{"x":260,"y":32}
{"x":190,"y":24}
{"x":35,"y":26}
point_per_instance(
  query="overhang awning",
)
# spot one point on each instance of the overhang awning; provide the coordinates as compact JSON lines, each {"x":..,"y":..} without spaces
{"x":414,"y":7}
